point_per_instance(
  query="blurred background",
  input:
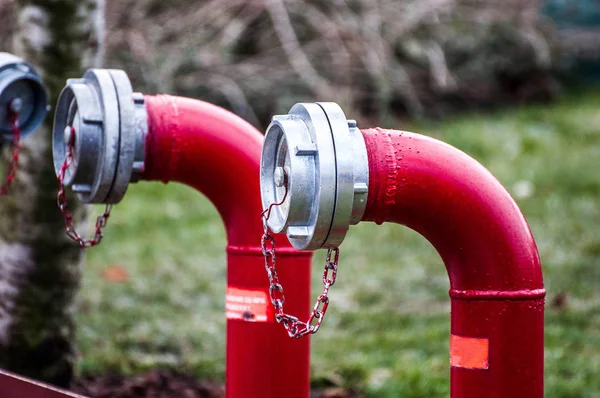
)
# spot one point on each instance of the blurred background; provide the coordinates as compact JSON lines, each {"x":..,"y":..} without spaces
{"x":379,"y":59}
{"x":514,"y":83}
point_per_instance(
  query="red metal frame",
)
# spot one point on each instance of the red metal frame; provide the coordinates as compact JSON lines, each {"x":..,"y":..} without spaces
{"x":496,"y":286}
{"x":218,"y":153}
{"x":15,"y":386}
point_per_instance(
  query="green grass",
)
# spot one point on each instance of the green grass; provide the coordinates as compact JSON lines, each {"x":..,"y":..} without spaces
{"x":388,"y":324}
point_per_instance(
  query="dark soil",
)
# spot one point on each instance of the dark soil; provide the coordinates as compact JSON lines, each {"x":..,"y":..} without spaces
{"x":155,"y":384}
{"x":166,"y":384}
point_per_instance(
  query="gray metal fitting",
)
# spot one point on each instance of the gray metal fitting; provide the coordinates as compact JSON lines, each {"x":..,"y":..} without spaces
{"x":110,"y":125}
{"x":22,"y":92}
{"x":320,"y":159}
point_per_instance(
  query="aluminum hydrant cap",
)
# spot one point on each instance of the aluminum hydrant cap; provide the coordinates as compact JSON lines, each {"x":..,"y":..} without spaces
{"x":21,"y":90}
{"x":314,"y":164}
{"x":104,"y":120}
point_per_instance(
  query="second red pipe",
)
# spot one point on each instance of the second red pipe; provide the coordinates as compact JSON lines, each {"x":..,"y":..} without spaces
{"x":496,"y":286}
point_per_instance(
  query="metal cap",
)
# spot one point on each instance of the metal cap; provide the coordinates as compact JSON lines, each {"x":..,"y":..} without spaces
{"x":109,"y":122}
{"x":22,"y":90}
{"x":320,"y":159}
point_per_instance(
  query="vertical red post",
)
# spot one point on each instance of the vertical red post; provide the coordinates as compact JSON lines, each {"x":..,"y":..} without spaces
{"x":496,"y":286}
{"x":218,"y":153}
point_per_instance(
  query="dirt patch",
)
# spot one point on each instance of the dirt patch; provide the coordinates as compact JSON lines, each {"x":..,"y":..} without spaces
{"x":155,"y":384}
{"x":167,"y":384}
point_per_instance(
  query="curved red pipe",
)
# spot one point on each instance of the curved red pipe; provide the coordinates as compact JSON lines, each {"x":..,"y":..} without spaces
{"x":496,"y":286}
{"x":218,"y":153}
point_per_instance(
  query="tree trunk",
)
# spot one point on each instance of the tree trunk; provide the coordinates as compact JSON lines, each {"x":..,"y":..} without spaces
{"x":39,"y":265}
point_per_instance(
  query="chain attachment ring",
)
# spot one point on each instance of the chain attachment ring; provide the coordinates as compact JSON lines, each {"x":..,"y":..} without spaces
{"x":61,"y":199}
{"x":294,"y":327}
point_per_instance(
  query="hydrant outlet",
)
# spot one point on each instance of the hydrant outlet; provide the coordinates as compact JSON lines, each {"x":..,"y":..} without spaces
{"x":314,"y":165}
{"x":23,"y":93}
{"x":103,"y":122}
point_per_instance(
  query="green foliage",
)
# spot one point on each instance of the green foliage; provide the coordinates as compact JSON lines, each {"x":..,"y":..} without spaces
{"x":387,"y":329}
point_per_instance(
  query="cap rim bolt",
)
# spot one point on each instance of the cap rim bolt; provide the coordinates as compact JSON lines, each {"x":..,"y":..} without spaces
{"x":68,"y":135}
{"x":279,"y":176}
{"x":16,"y":105}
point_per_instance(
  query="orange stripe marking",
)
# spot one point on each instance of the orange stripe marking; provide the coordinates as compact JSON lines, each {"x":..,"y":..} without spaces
{"x":469,"y":352}
{"x":247,"y":305}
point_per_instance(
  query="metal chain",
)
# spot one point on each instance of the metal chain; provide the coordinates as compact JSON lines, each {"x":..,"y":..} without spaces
{"x":61,"y":199}
{"x":295,"y":328}
{"x":16,"y":152}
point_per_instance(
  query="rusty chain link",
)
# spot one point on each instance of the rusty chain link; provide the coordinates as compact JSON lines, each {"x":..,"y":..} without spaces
{"x":16,"y":152}
{"x":295,"y":327}
{"x":61,"y":199}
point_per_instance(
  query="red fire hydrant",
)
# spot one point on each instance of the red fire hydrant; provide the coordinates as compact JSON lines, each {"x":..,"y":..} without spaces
{"x":106,"y":136}
{"x":23,"y":107}
{"x":319,"y":174}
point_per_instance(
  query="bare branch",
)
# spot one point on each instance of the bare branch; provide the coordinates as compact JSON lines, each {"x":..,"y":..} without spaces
{"x":291,"y":46}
